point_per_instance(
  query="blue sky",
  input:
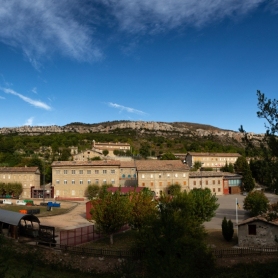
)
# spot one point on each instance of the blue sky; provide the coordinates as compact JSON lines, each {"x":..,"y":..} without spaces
{"x":93,"y":61}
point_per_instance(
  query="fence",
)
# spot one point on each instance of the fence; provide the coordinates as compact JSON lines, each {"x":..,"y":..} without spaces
{"x":236,"y":252}
{"x":218,"y":253}
{"x":82,"y":235}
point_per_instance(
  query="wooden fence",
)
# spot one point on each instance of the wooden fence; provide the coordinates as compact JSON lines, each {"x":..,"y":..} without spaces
{"x":236,"y":252}
{"x":217,"y":253}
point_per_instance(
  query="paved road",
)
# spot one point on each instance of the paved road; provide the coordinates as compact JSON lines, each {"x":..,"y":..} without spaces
{"x":227,"y":207}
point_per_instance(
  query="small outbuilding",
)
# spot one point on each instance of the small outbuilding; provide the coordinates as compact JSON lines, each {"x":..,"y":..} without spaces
{"x":258,"y":232}
{"x":15,"y":224}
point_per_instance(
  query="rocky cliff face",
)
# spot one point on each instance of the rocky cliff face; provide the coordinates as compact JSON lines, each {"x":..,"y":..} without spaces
{"x":157,"y":128}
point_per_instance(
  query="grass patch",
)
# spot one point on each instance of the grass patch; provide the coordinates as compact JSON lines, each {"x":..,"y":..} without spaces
{"x":122,"y":241}
{"x":216,"y":240}
{"x":43,"y":209}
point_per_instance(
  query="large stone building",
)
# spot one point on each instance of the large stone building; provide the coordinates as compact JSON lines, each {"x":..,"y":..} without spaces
{"x":71,"y":178}
{"x":157,"y":175}
{"x":211,"y":160}
{"x":29,"y":177}
{"x":218,"y":182}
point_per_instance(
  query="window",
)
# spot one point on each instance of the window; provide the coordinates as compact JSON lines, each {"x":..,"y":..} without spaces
{"x":219,"y":189}
{"x":184,"y":183}
{"x":57,"y":182}
{"x":65,"y":182}
{"x":112,"y":181}
{"x":73,"y":172}
{"x":176,"y":175}
{"x":57,"y":192}
{"x":80,"y":172}
{"x":200,"y":182}
{"x":213,"y":190}
{"x":151,"y":176}
{"x":213,"y":182}
{"x":112,"y":171}
{"x":151,"y":183}
{"x":104,"y":171}
{"x":194,"y":182}
{"x":206,"y":182}
{"x":252,"y":229}
{"x":143,"y":176}
{"x":159,"y":175}
{"x":73,"y":192}
{"x":88,"y":172}
{"x":96,"y":171}
{"x":104,"y":182}
{"x":123,"y":175}
{"x":97,"y":181}
{"x":81,"y":182}
{"x":73,"y":182}
{"x":183,"y":175}
{"x":169,"y":183}
{"x":160,"y":183}
{"x":129,"y":176}
{"x":89,"y":181}
{"x":218,"y":181}
{"x":168,"y":175}
{"x":143,"y":184}
{"x":65,"y":172}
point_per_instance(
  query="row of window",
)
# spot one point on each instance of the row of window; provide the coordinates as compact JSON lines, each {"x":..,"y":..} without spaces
{"x":88,"y":181}
{"x":81,"y":172}
{"x":160,"y":175}
{"x":206,"y":182}
{"x":16,"y":177}
{"x":161,"y":183}
{"x":216,"y":158}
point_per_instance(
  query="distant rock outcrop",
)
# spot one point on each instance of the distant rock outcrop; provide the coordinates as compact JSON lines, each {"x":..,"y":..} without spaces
{"x":157,"y":128}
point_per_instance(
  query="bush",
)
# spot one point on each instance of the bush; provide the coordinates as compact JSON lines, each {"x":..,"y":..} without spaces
{"x":227,"y":229}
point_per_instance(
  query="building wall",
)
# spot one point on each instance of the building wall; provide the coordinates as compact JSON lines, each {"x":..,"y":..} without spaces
{"x":158,"y":181}
{"x":28,"y":179}
{"x":265,"y":235}
{"x":211,"y":160}
{"x":215,"y":184}
{"x":73,"y":180}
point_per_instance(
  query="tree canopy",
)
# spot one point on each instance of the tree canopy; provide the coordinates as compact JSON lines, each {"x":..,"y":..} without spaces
{"x":256,"y":203}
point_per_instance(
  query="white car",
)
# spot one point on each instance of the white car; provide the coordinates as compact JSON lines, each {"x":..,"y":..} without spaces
{"x":20,"y":203}
{"x":7,"y":202}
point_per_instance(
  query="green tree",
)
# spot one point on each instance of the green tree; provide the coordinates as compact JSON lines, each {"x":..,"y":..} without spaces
{"x":228,"y":168}
{"x":268,"y":109}
{"x":105,"y":152}
{"x":173,"y":241}
{"x":256,"y":203}
{"x":168,"y":156}
{"x":227,"y":229}
{"x":174,"y":189}
{"x":204,"y":204}
{"x":111,"y":212}
{"x":143,"y":207}
{"x":242,"y":167}
{"x":92,"y":191}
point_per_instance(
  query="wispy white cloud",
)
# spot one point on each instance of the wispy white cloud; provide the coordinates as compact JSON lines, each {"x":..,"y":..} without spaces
{"x":2,"y":97}
{"x":36,"y":103}
{"x":34,"y":90}
{"x":44,"y":27}
{"x":162,"y":15}
{"x":127,"y":109}
{"x":29,"y":121}
{"x":73,"y":28}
